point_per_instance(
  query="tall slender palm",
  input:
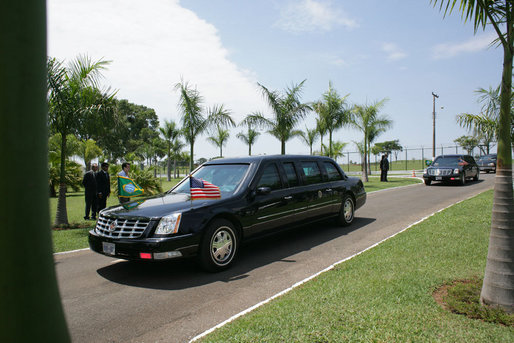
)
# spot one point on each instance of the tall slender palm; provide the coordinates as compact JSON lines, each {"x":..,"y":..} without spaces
{"x":308,"y":136}
{"x":320,"y":127}
{"x":499,"y":272}
{"x":195,"y":118}
{"x":176,"y":149}
{"x":70,"y":91}
{"x":333,"y":112}
{"x":170,"y":133}
{"x":219,"y":138}
{"x":250,"y":137}
{"x":369,"y":122}
{"x":287,"y":110}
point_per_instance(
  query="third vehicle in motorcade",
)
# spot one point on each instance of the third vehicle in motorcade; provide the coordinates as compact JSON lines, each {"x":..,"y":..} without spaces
{"x":487,"y":163}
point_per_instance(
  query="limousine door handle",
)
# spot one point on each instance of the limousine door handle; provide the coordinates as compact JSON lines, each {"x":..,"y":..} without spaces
{"x":289,"y":197}
{"x":328,"y":190}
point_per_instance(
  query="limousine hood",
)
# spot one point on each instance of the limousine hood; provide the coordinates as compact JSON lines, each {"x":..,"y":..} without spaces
{"x":158,"y":206}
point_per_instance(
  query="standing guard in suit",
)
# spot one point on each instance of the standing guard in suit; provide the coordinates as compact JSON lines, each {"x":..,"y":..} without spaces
{"x":384,"y":167}
{"x":89,"y":182}
{"x":103,"y":184}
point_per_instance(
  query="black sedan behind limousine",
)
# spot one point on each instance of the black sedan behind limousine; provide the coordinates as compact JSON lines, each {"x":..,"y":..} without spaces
{"x":224,"y":202}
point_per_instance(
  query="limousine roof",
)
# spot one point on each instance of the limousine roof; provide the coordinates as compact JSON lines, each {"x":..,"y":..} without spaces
{"x":260,"y":158}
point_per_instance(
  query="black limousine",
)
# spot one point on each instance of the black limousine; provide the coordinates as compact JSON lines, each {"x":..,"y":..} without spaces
{"x":224,"y":202}
{"x":452,"y":168}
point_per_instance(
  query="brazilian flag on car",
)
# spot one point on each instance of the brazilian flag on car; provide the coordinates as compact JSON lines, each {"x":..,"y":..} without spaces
{"x":128,"y":188}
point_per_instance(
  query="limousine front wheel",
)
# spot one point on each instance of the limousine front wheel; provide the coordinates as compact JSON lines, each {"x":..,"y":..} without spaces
{"x":219,"y":245}
{"x":347,"y":211}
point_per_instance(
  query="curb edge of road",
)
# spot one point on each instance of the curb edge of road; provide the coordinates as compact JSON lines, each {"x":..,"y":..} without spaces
{"x":299,"y":283}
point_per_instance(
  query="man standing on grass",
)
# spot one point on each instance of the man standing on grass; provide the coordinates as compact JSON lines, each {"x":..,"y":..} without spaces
{"x":89,"y":182}
{"x":384,"y":167}
{"x":103,"y":184}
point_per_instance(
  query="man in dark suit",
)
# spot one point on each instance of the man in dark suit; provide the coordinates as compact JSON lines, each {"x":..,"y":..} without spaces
{"x":89,"y":182}
{"x":384,"y":167}
{"x":103,"y":186}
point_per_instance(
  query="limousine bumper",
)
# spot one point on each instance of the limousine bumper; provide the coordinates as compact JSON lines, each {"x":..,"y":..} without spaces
{"x":145,"y":248}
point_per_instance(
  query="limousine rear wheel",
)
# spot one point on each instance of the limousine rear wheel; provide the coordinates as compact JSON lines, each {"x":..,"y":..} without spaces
{"x":347,"y":212}
{"x":219,"y":245}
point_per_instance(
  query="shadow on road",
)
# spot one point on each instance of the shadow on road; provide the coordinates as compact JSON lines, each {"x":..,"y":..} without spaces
{"x":469,"y":183}
{"x":181,"y":274}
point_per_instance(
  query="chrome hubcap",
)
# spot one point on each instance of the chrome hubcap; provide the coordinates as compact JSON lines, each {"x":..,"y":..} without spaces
{"x":348,"y":210}
{"x":222,"y":245}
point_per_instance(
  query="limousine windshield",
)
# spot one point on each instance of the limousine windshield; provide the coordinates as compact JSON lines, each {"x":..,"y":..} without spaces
{"x":227,"y":177}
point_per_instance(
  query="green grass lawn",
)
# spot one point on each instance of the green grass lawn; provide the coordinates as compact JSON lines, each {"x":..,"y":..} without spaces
{"x":385,"y":294}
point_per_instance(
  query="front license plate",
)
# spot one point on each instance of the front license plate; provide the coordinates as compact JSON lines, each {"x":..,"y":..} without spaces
{"x":438,"y":178}
{"x":108,"y":248}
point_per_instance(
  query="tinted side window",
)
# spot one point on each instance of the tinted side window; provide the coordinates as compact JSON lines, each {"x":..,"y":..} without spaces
{"x":291,"y":174}
{"x":312,"y":172}
{"x":332,"y":171}
{"x":270,"y":178}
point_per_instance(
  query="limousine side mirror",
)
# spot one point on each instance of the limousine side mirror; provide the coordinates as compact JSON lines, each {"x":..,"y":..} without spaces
{"x":263,"y":190}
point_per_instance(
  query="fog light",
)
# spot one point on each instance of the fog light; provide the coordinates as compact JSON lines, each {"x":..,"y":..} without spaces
{"x":145,"y":255}
{"x":167,"y":254}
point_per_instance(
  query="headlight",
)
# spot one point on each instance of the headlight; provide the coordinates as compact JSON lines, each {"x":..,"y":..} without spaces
{"x":456,"y":171}
{"x":491,"y":164}
{"x":169,"y":224}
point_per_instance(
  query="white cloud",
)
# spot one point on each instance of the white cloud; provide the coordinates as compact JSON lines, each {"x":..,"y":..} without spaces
{"x":152,"y":45}
{"x":393,"y":52}
{"x":449,"y":50}
{"x":312,"y":15}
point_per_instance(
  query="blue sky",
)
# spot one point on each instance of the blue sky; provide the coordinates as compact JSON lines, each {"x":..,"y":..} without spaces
{"x":370,"y":49}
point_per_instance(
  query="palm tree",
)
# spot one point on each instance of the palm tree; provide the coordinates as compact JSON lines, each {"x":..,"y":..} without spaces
{"x":499,"y":271}
{"x":69,"y":100}
{"x":171,"y":133}
{"x":486,"y":125}
{"x":308,"y":136}
{"x":367,"y":120}
{"x":89,"y":151}
{"x":333,"y":112}
{"x":177,"y":147}
{"x":219,"y":138}
{"x":287,"y":112}
{"x":250,"y":137}
{"x":194,"y":122}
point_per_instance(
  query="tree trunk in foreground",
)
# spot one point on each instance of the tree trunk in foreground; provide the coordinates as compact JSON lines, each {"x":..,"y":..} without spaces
{"x":30,"y":305}
{"x":498,"y":286}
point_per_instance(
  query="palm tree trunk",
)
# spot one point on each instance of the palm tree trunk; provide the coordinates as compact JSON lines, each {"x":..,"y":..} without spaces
{"x":30,"y":303}
{"x":330,"y":152}
{"x":249,"y":149}
{"x":283,"y":147}
{"x":498,"y":286}
{"x":61,"y":216}
{"x":191,"y":159}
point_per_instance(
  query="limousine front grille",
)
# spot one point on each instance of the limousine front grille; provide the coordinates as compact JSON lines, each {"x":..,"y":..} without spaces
{"x":439,"y":171}
{"x":120,"y":227}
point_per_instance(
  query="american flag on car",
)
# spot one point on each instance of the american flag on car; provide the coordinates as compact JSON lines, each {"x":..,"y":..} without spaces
{"x":201,"y":189}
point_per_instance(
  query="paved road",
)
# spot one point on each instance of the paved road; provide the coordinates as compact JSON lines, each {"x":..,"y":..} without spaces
{"x":108,"y":300}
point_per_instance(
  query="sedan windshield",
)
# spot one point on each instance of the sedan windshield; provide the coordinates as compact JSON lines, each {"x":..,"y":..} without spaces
{"x":225,"y":176}
{"x":447,"y":161}
{"x":487,"y":158}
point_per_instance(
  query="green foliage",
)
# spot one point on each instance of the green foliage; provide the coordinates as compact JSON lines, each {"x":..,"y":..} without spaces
{"x":143,"y":177}
{"x":386,"y":147}
{"x":287,"y":109}
{"x":468,"y":143}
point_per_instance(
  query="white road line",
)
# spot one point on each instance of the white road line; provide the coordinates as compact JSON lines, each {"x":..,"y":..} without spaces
{"x":248,"y":310}
{"x":70,"y":251}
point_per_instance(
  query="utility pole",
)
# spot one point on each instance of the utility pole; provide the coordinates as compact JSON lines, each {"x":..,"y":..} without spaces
{"x":433,"y":125}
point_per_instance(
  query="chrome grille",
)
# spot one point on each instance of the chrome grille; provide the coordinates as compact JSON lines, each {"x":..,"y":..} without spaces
{"x":440,"y":171}
{"x":121,"y":227}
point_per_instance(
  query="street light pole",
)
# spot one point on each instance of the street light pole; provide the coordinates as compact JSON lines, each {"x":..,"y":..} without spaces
{"x":433,"y":125}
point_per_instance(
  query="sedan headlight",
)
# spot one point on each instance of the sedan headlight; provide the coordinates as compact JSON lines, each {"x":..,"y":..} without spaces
{"x":456,"y":171}
{"x":169,"y":224}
